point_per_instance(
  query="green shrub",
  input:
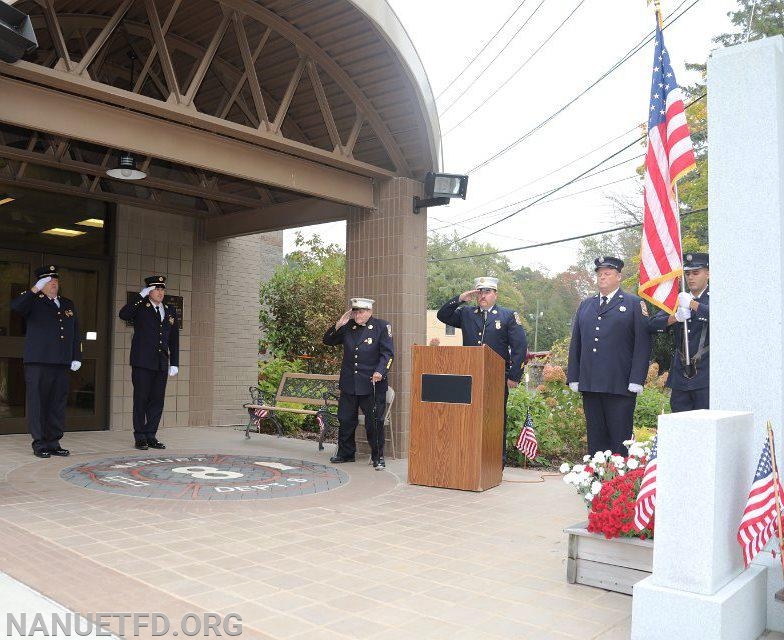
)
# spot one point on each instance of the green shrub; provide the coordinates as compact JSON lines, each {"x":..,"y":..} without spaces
{"x":651,"y":403}
{"x":270,"y":374}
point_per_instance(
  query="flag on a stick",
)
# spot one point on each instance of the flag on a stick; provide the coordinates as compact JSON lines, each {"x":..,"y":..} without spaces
{"x":759,"y":517}
{"x":646,"y":498}
{"x":527,"y":443}
{"x":670,"y":156}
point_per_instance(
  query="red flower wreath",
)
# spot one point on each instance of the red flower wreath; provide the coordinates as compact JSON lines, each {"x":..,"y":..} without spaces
{"x":612,"y":510}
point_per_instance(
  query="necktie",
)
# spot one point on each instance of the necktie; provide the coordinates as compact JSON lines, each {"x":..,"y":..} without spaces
{"x":159,"y":309}
{"x":603,"y":305}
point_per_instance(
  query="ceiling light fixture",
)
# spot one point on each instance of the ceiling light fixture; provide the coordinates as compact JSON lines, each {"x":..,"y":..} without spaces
{"x":91,"y":222}
{"x":6,"y":200}
{"x":66,"y":233}
{"x":126,"y":165}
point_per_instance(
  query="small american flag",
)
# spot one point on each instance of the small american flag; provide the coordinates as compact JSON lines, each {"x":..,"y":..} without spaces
{"x":670,"y":156}
{"x":260,"y":414}
{"x":527,"y":443}
{"x":759,"y":517}
{"x":646,"y":498}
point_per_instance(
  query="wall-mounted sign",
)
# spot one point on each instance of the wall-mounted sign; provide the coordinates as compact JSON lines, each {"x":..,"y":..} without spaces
{"x":175,"y":301}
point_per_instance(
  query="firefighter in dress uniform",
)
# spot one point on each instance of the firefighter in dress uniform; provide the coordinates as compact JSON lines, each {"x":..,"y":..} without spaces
{"x":52,"y":346}
{"x":487,"y":323}
{"x":608,"y":358}
{"x":367,"y":357}
{"x":690,"y":383}
{"x":155,"y":354}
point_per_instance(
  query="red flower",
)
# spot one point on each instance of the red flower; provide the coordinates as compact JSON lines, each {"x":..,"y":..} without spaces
{"x":612,"y":510}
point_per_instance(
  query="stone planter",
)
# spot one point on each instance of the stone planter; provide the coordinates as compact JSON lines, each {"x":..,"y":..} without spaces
{"x":615,"y":564}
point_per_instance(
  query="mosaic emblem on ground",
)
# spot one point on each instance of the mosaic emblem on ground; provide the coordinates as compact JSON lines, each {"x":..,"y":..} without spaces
{"x":205,"y":476}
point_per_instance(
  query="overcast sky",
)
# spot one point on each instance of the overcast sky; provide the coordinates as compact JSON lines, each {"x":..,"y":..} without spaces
{"x":448,"y":33}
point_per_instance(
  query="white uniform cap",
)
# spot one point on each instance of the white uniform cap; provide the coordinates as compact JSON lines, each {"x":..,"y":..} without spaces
{"x":362,"y":303}
{"x":486,"y":283}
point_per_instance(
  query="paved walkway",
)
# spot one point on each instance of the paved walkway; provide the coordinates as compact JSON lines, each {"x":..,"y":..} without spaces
{"x":372,"y":558}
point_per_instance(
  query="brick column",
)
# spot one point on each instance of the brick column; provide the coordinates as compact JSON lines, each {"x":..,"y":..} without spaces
{"x":385,"y":260}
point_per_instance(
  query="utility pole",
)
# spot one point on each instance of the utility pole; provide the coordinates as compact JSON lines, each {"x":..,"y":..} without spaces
{"x":536,"y":327}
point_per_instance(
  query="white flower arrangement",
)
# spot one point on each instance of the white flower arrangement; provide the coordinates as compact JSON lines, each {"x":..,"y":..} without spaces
{"x":587,"y":478}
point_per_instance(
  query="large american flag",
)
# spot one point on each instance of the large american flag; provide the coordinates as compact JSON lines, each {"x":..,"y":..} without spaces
{"x":527,"y":443}
{"x":759,"y":517}
{"x":646,"y":498}
{"x":670,"y":156}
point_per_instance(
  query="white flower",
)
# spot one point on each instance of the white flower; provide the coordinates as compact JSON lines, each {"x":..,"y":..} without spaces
{"x":569,"y":478}
{"x":621,"y":472}
{"x":564,"y":468}
{"x":599,"y":458}
{"x":636,"y":451}
{"x":600,"y":472}
{"x":632,"y":463}
{"x":586,"y":458}
{"x":579,"y":468}
{"x":618,"y":461}
{"x":589,"y":497}
{"x":596,"y":487}
{"x":607,"y":453}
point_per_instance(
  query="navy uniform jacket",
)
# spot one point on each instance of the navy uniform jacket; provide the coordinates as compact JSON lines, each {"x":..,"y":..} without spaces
{"x":52,"y":332}
{"x":366,"y":350}
{"x":697,"y":322}
{"x":609,"y":351}
{"x":156,"y":343}
{"x":502,"y":332}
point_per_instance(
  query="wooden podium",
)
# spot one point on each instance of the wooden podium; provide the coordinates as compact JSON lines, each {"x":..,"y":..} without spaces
{"x":457,"y":415}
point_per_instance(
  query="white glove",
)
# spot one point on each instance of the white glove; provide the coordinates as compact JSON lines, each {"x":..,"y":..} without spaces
{"x":684,"y":299}
{"x":682,"y":314}
{"x":75,"y":365}
{"x":173,"y":371}
{"x":42,"y":283}
{"x":635,"y":388}
{"x":146,"y":291}
{"x":574,"y":386}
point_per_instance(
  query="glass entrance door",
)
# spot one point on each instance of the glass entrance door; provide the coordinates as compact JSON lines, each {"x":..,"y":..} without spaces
{"x":86,"y":282}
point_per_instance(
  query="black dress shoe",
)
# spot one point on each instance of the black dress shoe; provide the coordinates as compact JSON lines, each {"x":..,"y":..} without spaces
{"x":60,"y":452}
{"x":42,"y":454}
{"x":339,"y":459}
{"x":380,"y":464}
{"x":141,"y":445}
{"x":152,"y":443}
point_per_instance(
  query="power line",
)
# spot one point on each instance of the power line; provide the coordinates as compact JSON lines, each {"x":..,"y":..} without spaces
{"x":489,"y":64}
{"x":516,"y":71}
{"x":551,"y":242}
{"x":569,"y":182}
{"x":636,"y":49}
{"x":481,"y":51}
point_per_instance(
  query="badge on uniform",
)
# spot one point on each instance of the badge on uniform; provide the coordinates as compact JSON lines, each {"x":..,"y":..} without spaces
{"x":644,"y":308}
{"x":517,"y":318}
{"x":171,"y":320}
{"x":69,"y":313}
{"x":370,"y":326}
{"x":389,"y":330}
{"x":497,"y":324}
{"x":621,"y":309}
{"x":369,"y":340}
{"x":148,"y":305}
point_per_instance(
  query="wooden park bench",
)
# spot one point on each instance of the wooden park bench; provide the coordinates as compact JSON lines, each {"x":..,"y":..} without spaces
{"x":312,"y":389}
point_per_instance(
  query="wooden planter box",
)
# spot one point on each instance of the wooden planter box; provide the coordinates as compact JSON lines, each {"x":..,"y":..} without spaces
{"x":615,"y":564}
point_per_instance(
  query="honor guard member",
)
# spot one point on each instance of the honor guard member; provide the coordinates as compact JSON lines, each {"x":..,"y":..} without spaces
{"x":367,"y":357}
{"x":689,"y":384}
{"x":52,"y":347}
{"x":487,"y":323}
{"x":608,"y":358}
{"x":155,"y":353}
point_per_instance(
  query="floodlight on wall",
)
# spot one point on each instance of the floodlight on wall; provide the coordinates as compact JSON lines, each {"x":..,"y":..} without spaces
{"x":126,"y":169}
{"x":440,"y":188}
{"x":126,"y":165}
{"x":17,"y":36}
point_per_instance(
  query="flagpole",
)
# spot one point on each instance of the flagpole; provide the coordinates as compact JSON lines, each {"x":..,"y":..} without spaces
{"x":780,"y":592}
{"x":683,"y":276}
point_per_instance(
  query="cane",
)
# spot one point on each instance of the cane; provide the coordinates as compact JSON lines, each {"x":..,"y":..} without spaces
{"x":375,"y":422}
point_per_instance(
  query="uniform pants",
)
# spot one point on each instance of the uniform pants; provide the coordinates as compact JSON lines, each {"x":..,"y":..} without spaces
{"x":348,"y":415}
{"x":46,"y":398}
{"x":609,"y":419}
{"x":681,"y":400}
{"x":149,"y":390}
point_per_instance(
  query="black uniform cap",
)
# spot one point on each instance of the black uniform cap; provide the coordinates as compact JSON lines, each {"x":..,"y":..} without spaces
{"x":693,"y":261}
{"x":155,"y":281}
{"x":50,"y":270}
{"x":608,"y":262}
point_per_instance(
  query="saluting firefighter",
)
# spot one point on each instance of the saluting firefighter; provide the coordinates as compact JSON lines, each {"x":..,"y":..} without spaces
{"x":155,"y":354}
{"x":367,"y":357}
{"x":690,"y":384}
{"x":52,"y":347}
{"x":608,"y":358}
{"x":487,"y":323}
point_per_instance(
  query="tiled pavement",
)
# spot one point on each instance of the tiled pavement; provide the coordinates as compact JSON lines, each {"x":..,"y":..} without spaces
{"x":373,"y":558}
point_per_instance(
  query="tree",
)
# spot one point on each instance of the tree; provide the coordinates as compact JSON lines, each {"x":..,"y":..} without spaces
{"x":301,"y":299}
{"x":768,"y":20}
